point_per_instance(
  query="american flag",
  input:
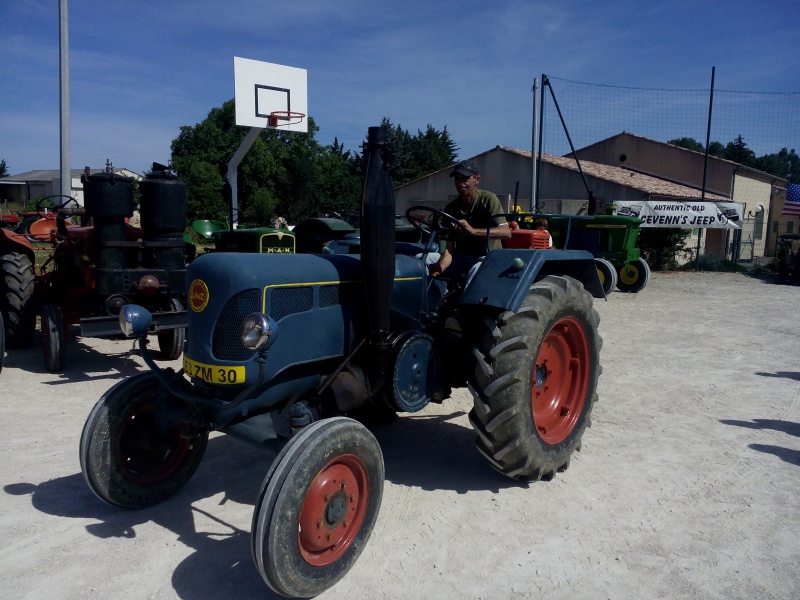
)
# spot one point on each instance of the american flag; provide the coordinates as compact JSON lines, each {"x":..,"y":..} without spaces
{"x":792,"y":206}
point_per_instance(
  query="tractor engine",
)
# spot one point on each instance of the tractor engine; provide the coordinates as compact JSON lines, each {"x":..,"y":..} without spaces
{"x":125,"y":262}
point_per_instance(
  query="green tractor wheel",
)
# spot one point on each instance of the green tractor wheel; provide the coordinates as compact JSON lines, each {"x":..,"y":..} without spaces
{"x":607,"y":273}
{"x":633,"y":276}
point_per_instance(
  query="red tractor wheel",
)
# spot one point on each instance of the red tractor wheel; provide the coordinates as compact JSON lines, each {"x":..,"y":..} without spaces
{"x":317,"y":507}
{"x":126,"y":458}
{"x":16,"y":298}
{"x":535,"y":381}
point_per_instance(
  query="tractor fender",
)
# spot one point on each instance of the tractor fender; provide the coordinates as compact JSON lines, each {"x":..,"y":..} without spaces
{"x":15,"y":242}
{"x":505,"y":276}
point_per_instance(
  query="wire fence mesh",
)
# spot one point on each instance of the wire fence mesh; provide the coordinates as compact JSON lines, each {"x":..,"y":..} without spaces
{"x":757,"y":129}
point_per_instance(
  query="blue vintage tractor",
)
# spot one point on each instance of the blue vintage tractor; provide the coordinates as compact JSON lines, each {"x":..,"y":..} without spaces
{"x":285,"y":350}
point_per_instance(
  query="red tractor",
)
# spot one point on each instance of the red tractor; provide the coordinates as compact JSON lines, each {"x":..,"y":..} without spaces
{"x":100,"y":265}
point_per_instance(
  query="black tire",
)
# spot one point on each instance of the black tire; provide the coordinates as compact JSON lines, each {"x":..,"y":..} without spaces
{"x":125,"y":460}
{"x":2,"y":341}
{"x":317,"y":507}
{"x":16,"y":299}
{"x":607,"y":273}
{"x":535,"y":380}
{"x":53,"y":338}
{"x":634,"y":276}
{"x":24,"y":226}
{"x":170,"y":341}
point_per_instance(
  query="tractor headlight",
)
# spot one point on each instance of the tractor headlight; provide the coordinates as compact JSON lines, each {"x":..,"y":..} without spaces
{"x":258,"y":331}
{"x":134,"y":320}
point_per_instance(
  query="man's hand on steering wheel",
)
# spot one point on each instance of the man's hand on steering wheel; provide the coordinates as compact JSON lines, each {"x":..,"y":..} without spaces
{"x":429,"y":220}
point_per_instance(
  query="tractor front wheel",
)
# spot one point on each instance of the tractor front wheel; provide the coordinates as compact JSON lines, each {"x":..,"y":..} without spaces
{"x":535,"y":380}
{"x":317,"y":507}
{"x":607,"y":273}
{"x":53,"y":338}
{"x":127,"y":459}
{"x":170,"y":341}
{"x":634,"y":276}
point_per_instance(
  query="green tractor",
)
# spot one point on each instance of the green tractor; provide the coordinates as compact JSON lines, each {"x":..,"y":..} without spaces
{"x":611,"y":239}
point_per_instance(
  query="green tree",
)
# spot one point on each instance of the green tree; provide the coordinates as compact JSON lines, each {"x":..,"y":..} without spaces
{"x":785,"y":163}
{"x":4,"y":168}
{"x":416,"y":156}
{"x":738,"y":152}
{"x":285,"y":171}
{"x":689,"y":143}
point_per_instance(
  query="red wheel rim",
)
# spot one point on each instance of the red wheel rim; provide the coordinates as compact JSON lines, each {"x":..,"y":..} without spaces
{"x":147,"y":456}
{"x":560,"y":380}
{"x":333,"y":510}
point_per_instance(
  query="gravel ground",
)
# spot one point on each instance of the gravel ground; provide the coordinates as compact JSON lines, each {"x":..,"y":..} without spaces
{"x":686,"y":487}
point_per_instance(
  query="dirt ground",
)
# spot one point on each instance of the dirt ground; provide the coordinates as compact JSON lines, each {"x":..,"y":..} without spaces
{"x":686,"y":488}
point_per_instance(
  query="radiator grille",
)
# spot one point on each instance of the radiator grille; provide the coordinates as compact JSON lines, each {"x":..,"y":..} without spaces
{"x":227,"y":342}
{"x":290,"y":300}
{"x":328,"y":296}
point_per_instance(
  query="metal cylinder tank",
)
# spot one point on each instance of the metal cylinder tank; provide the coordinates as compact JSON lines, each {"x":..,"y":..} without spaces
{"x":108,"y":199}
{"x":163,"y":212}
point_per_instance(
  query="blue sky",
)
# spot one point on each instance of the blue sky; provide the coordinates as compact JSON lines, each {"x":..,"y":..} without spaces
{"x":139,"y":70}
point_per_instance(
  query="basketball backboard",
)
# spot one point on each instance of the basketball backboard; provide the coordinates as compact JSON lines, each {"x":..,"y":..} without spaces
{"x":270,"y":96}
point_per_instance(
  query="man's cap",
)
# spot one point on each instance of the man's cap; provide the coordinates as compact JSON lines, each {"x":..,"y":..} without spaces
{"x":467,"y":168}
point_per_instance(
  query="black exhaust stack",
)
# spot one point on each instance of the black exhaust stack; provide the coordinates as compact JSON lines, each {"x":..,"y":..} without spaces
{"x":377,"y":246}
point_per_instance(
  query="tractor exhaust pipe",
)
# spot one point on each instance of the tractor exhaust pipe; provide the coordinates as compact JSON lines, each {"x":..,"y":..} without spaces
{"x":377,"y":244}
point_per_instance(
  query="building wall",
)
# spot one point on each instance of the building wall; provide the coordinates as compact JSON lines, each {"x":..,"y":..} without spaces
{"x":662,"y":160}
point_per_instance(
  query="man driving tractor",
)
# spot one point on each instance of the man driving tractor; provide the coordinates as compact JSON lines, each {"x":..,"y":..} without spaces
{"x":473,"y":209}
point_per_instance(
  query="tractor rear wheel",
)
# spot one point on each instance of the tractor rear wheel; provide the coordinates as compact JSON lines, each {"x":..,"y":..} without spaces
{"x":126,"y":458}
{"x":535,"y":380}
{"x":607,"y":273}
{"x":170,"y":341}
{"x":634,"y":276}
{"x":16,"y":298}
{"x":317,"y":507}
{"x":53,"y":338}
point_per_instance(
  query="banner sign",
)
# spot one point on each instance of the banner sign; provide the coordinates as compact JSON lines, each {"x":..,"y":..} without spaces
{"x":695,"y":215}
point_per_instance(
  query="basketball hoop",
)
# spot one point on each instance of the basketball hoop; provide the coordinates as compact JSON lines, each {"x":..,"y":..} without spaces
{"x":284,"y":118}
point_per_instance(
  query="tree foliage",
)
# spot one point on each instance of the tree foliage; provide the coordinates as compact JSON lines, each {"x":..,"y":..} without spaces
{"x":418,"y":155}
{"x":3,"y":168}
{"x":785,"y":163}
{"x":284,"y":172}
{"x":291,"y":173}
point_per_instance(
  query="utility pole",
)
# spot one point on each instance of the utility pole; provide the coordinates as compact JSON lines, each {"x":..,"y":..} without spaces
{"x":63,"y":31}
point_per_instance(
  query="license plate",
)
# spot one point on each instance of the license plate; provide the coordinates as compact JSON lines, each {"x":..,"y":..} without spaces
{"x":214,"y":373}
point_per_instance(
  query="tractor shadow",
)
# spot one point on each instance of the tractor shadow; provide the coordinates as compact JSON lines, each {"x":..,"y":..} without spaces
{"x":84,"y":361}
{"x":433,"y":452}
{"x":429,"y":452}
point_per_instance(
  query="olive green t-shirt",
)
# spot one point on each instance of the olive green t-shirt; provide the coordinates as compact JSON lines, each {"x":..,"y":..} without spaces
{"x":486,"y":204}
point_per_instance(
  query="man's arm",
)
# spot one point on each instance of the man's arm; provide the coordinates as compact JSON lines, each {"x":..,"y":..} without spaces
{"x":445,"y":260}
{"x":500,"y":231}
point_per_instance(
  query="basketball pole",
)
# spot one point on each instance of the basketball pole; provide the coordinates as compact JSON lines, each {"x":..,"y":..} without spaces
{"x":233,"y":167}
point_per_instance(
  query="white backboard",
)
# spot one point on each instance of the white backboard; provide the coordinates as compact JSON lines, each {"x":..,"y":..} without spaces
{"x":262,"y":88}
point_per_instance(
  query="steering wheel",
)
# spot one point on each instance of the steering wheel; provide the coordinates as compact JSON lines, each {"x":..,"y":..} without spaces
{"x":55,"y":209}
{"x":429,"y":220}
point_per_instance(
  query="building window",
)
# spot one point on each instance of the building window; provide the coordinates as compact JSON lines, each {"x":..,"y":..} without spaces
{"x":790,"y":227}
{"x":775,"y":226}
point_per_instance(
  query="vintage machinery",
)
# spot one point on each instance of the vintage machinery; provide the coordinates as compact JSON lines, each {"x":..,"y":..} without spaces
{"x":285,"y":350}
{"x":787,"y":253}
{"x":612,"y":241}
{"x":101,"y":265}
